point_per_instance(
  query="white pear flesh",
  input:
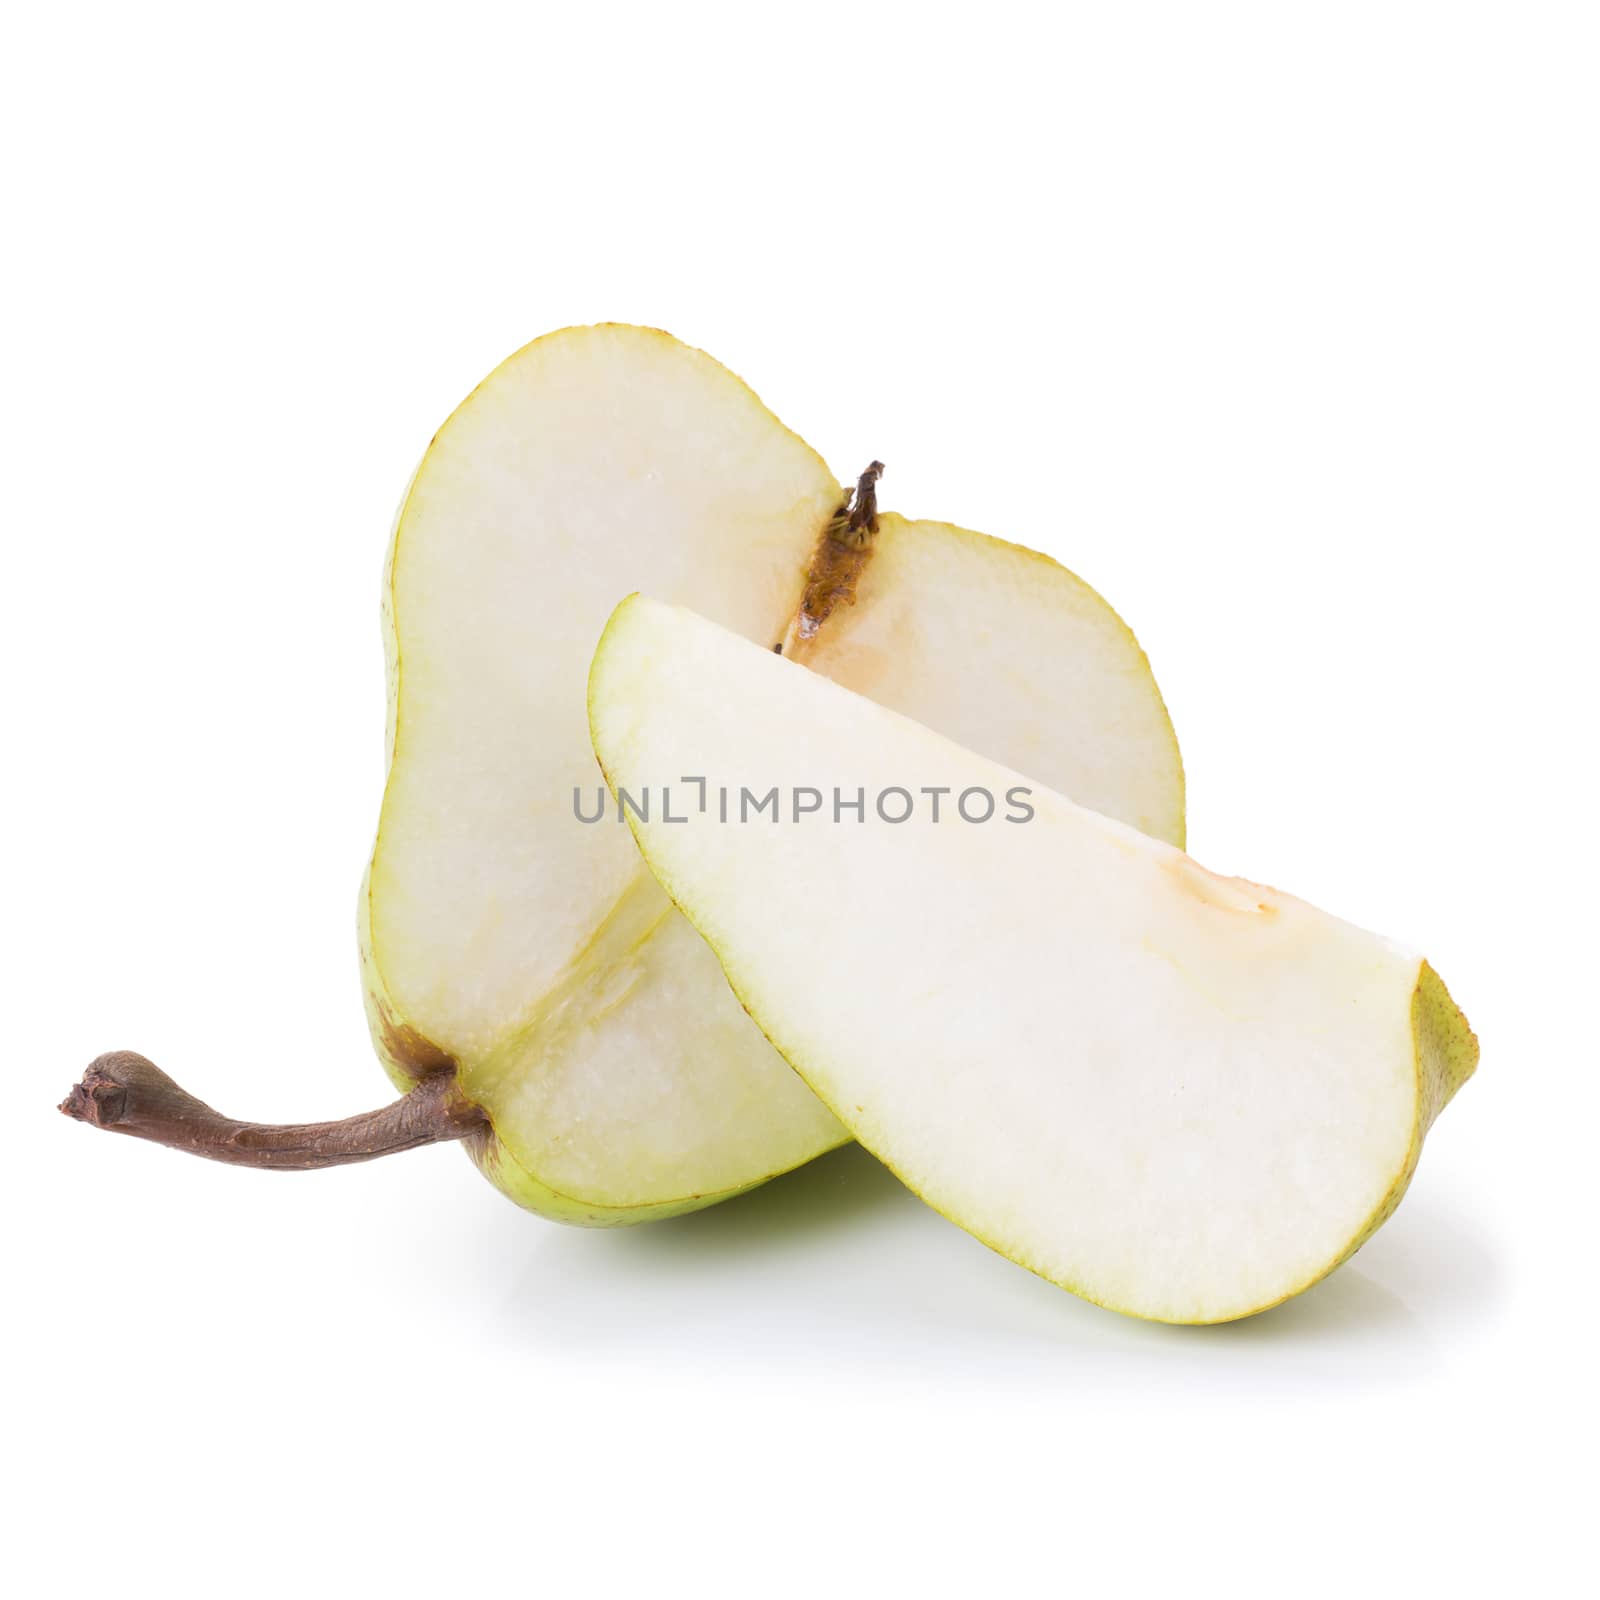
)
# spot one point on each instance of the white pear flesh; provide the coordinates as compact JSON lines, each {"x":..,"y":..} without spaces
{"x":1179,"y":1095}
{"x":533,"y":955}
{"x":1005,"y":651}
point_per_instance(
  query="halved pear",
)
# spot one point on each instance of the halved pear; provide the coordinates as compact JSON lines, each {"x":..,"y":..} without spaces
{"x":1180,"y":1095}
{"x":531,"y":955}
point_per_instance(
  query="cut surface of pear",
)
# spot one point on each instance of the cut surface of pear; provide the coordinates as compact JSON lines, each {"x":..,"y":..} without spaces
{"x":1180,"y":1095}
{"x":531,"y":954}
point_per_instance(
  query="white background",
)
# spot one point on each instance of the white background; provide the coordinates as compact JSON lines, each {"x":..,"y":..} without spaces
{"x":1277,"y":323}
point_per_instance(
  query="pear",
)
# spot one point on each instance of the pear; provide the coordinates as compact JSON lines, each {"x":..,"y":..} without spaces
{"x":1179,"y":1095}
{"x":529,"y":986}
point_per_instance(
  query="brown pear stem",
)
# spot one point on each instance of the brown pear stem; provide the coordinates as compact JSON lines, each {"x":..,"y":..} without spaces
{"x":128,"y":1094}
{"x":863,"y":519}
{"x":843,"y":550}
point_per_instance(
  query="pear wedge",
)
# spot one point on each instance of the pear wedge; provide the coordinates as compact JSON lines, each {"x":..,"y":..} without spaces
{"x":529,"y":954}
{"x":1179,"y":1095}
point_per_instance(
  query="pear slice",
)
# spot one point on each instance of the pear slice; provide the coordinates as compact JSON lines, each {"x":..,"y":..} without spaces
{"x":1179,"y":1095}
{"x":595,"y":1063}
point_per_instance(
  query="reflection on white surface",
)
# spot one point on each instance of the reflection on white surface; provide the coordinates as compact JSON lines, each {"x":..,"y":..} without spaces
{"x":839,"y":1262}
